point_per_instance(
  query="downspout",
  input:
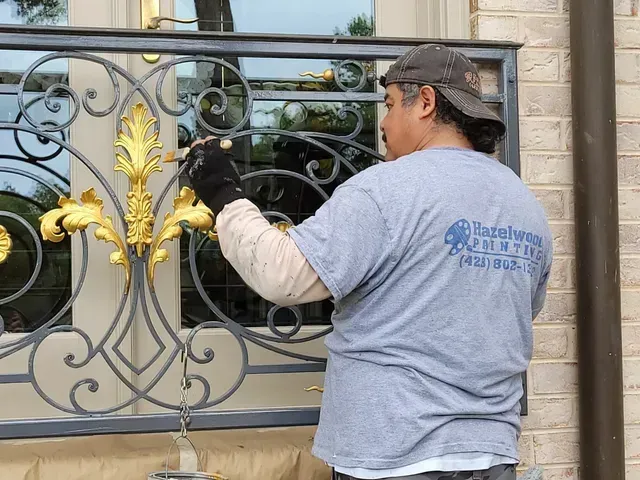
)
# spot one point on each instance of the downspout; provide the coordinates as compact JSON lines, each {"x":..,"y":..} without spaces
{"x":597,"y":255}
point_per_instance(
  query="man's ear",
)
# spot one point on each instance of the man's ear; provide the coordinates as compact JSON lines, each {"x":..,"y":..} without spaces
{"x":427,"y":101}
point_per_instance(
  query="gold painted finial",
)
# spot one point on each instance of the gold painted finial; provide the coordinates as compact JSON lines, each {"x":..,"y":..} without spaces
{"x":138,"y":165}
{"x":328,"y":75}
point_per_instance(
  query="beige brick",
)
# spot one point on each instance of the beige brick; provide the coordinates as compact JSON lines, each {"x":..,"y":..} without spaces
{"x":551,"y":413}
{"x":489,"y":78}
{"x":628,"y":170}
{"x":519,"y":5}
{"x":626,"y":7}
{"x":565,"y":5}
{"x":630,"y":272}
{"x":548,"y":101}
{"x":630,"y":301}
{"x":556,"y":448}
{"x":628,"y":136}
{"x":627,"y":104}
{"x":563,"y":238}
{"x":627,"y":33}
{"x":631,"y":373}
{"x":559,"y":308}
{"x":525,"y":450}
{"x":565,"y":67}
{"x":632,"y":442}
{"x":486,"y":27}
{"x":555,"y":377}
{"x":535,"y":66}
{"x":628,"y":67}
{"x":563,"y":473}
{"x":562,"y":273}
{"x":552,"y":201}
{"x":570,"y":205}
{"x":545,"y":31}
{"x":631,"y":339}
{"x":629,"y":204}
{"x":629,"y":238}
{"x":567,"y":135}
{"x":631,"y":408}
{"x":632,"y":471}
{"x":539,"y":134}
{"x":549,"y":343}
{"x":552,"y":169}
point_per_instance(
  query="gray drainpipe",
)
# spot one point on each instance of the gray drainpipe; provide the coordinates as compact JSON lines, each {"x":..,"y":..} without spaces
{"x":597,"y":255}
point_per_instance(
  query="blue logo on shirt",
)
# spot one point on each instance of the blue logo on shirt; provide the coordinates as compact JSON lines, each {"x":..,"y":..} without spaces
{"x":497,"y":247}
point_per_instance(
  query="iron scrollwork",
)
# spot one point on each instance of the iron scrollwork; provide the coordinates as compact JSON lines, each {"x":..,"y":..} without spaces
{"x":140,"y":252}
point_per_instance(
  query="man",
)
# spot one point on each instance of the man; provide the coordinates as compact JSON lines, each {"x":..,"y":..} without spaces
{"x":436,"y":260}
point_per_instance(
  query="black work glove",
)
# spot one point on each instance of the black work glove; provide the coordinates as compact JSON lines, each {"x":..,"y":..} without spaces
{"x":213,"y":174}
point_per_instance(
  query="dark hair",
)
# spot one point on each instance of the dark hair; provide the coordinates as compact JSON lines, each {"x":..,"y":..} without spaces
{"x":483,"y":134}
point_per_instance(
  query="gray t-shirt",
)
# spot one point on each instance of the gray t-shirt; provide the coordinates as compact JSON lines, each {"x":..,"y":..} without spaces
{"x":437,"y":262}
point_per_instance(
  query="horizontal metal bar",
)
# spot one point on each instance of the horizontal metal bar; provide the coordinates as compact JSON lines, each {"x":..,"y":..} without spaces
{"x":250,"y":37}
{"x":296,"y":96}
{"x":15,"y":378}
{"x":287,"y":368}
{"x":8,"y":89}
{"x":153,"y":423}
{"x":18,"y":37}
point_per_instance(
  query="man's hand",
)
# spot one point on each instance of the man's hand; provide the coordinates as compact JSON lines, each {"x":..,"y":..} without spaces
{"x":213,"y":174}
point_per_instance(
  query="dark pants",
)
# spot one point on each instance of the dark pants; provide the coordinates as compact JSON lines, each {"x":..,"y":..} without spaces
{"x":499,"y":472}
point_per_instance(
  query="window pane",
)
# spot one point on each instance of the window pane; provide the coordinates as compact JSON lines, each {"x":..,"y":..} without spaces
{"x":289,"y":197}
{"x":33,"y":173}
{"x":308,"y":17}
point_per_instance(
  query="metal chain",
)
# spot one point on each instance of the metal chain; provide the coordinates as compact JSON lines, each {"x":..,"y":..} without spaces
{"x":185,"y":417}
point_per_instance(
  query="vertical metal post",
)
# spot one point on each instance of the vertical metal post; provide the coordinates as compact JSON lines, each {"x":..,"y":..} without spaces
{"x":508,"y":85}
{"x":597,"y":255}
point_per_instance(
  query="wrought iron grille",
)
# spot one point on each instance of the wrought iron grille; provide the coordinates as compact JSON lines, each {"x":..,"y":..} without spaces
{"x":139,"y":252}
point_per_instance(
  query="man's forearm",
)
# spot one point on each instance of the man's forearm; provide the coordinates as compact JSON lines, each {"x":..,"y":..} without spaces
{"x":267,"y":259}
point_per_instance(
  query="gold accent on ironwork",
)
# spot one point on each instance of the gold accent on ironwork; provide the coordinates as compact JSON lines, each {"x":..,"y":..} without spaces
{"x":138,"y":165}
{"x":75,"y":217}
{"x":5,"y":244}
{"x":328,"y":75}
{"x":282,"y":226}
{"x":197,"y":216}
{"x":314,"y":388}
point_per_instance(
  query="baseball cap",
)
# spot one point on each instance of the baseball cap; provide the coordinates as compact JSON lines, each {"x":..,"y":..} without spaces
{"x":446,"y":69}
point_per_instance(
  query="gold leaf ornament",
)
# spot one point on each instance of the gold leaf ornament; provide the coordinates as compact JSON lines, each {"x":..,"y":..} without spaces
{"x":138,"y":164}
{"x":198,"y":216}
{"x":74,"y":217}
{"x":6,"y":244}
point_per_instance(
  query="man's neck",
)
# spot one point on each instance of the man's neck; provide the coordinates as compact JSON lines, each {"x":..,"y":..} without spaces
{"x":445,"y":137}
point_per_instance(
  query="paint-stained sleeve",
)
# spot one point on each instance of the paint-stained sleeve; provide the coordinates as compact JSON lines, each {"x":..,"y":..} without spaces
{"x":268,"y":260}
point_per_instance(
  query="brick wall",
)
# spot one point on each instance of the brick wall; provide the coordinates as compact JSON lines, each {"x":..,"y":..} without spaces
{"x":550,"y":436}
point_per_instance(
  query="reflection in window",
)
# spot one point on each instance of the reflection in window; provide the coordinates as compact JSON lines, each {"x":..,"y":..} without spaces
{"x":33,"y":172}
{"x":288,"y":197}
{"x":284,"y":195}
